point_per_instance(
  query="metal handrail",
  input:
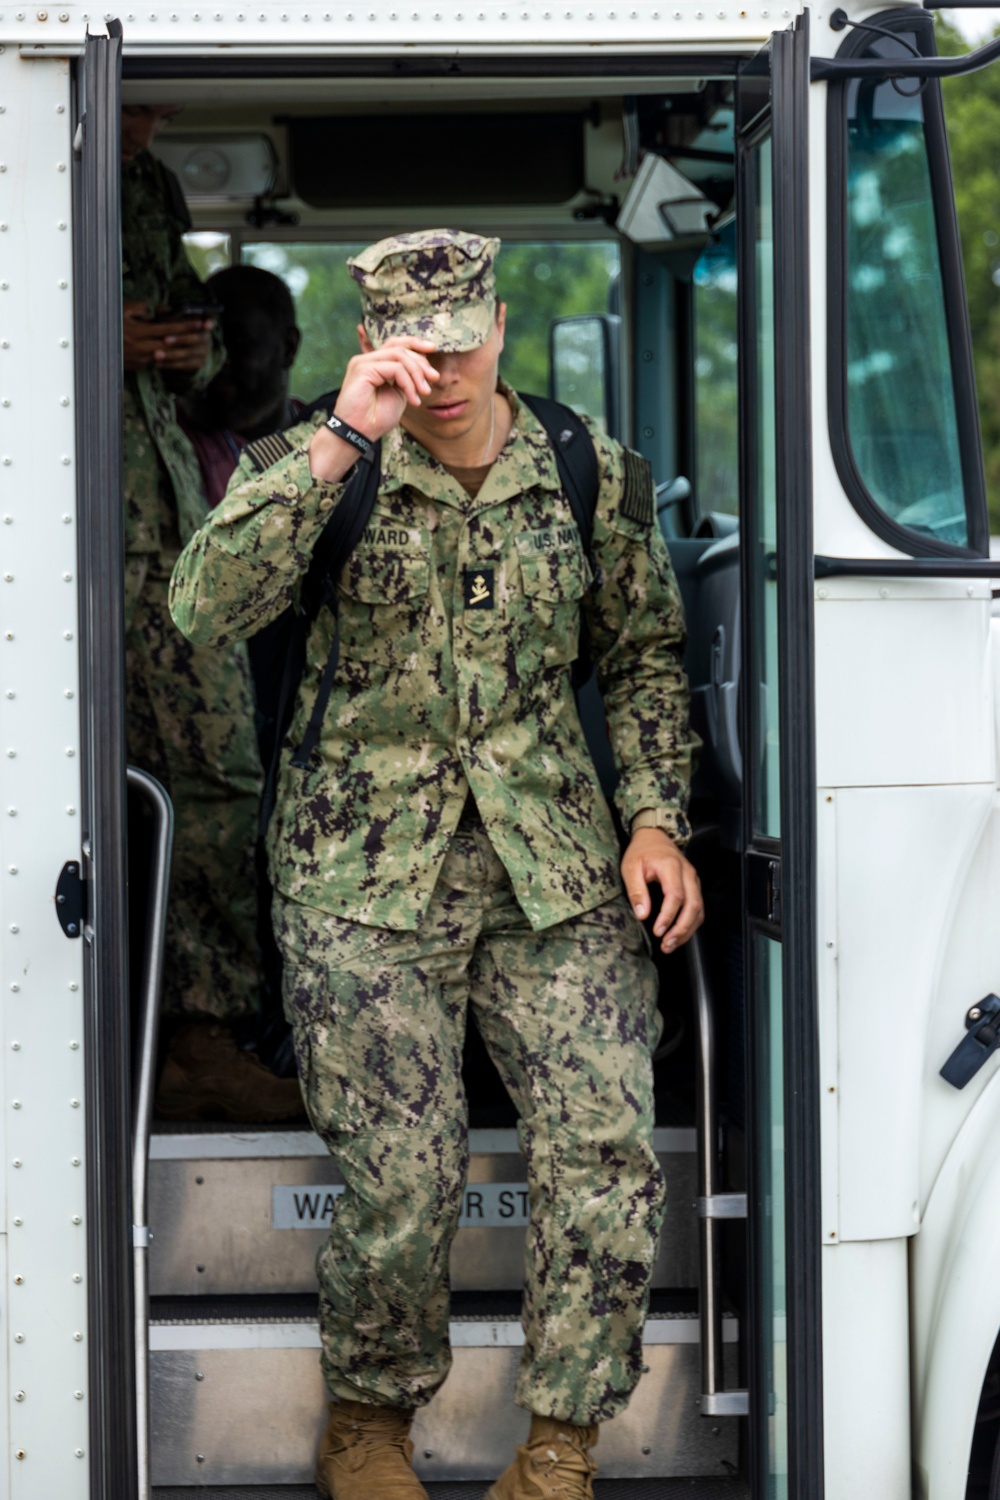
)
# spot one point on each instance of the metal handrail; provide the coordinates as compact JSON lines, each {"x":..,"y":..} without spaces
{"x":712,"y":1205}
{"x":144,"y":1084}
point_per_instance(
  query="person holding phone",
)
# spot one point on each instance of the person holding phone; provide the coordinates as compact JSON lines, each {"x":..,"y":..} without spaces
{"x":190,"y":712}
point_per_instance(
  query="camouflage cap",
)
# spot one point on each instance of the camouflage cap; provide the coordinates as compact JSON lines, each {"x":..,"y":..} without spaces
{"x":435,"y":284}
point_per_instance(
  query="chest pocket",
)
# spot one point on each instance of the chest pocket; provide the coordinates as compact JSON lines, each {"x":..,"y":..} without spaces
{"x":554,"y":579}
{"x":383,"y":596}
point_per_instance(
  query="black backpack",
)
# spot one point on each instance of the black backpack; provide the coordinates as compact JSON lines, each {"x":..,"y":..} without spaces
{"x":278,"y":652}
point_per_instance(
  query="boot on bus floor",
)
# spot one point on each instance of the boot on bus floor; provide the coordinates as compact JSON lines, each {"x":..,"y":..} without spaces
{"x":554,"y":1464}
{"x":207,"y":1076}
{"x":366,"y":1452}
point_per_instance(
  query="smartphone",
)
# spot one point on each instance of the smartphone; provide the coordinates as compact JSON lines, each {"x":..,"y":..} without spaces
{"x":188,"y":310}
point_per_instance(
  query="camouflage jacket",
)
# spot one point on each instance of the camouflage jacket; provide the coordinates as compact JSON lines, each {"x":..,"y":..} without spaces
{"x":459,"y":624}
{"x":162,"y":483}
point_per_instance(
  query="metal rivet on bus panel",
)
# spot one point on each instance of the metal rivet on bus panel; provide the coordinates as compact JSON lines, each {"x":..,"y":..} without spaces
{"x":78,"y":1452}
{"x":18,"y":1220}
{"x":14,"y":927}
{"x":19,"y":1338}
{"x":16,"y":988}
{"x":4,"y":343}
{"x":199,"y":1375}
{"x":200,"y":1458}
{"x":63,"y":285}
{"x":77,"y":1277}
{"x":74,"y":1104}
{"x":76,"y":1219}
{"x":15,"y":1104}
{"x":7,"y":460}
{"x":68,"y":693}
{"x":78,"y":1338}
{"x":646,"y":1450}
{"x":64,"y":343}
{"x":19,"y":1280}
{"x":71,"y":811}
{"x":70,"y":751}
{"x":74,"y":1161}
{"x":67,"y":635}
{"x":975,"y":1013}
{"x":19,"y":1453}
{"x":8,"y":578}
{"x":12,"y":868}
{"x":78,"y":1395}
{"x":73,"y":985}
{"x":74,"y":1046}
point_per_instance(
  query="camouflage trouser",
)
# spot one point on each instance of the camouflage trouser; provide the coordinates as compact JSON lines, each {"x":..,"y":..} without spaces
{"x":569,"y":1017}
{"x":190,"y":721}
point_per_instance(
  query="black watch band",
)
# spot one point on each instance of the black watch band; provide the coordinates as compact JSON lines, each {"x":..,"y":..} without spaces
{"x":343,"y":430}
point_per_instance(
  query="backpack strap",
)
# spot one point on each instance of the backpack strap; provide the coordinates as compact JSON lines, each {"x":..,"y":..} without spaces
{"x":576,"y":461}
{"x":580,"y":478}
{"x":337,"y":541}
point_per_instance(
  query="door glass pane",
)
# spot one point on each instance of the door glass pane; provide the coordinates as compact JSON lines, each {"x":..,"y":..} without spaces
{"x":766,"y":804}
{"x":771,"y":1209}
{"x":715,"y":391}
{"x":900,"y":396}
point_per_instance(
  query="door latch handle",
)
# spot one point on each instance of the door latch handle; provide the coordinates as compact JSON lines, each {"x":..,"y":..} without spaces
{"x":981,"y":1040}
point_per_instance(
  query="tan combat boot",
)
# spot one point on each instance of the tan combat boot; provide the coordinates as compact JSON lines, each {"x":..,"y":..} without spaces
{"x":366,"y":1454}
{"x":206,"y":1076}
{"x":554,"y":1464}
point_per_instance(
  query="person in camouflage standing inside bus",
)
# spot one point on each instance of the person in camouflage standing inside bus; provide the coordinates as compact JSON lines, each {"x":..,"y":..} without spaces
{"x":449,"y":845}
{"x":189,"y":711}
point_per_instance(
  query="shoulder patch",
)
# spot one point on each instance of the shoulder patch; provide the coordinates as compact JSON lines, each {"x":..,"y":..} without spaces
{"x":637,"y":489}
{"x":266,"y":451}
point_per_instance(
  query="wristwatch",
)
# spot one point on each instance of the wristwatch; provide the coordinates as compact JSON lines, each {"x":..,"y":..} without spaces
{"x":654,"y":817}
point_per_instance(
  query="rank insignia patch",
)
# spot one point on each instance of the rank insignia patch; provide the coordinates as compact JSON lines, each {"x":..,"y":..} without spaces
{"x":479,"y":588}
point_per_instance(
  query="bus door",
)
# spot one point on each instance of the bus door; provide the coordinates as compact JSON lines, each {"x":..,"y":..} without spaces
{"x":785,"y":1373}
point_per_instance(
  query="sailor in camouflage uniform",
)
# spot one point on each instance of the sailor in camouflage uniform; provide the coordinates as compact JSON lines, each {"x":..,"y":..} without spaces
{"x":449,"y":846}
{"x":190,"y":711}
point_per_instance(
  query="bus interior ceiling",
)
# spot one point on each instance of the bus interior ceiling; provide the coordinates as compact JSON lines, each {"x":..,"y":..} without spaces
{"x":290,"y":174}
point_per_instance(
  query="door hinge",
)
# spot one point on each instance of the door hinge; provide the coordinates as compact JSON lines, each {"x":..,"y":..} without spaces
{"x":71,"y":899}
{"x":980,"y":1042}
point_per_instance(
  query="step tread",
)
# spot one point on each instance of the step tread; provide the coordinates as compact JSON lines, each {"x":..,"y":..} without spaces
{"x":466,"y":1307}
{"x":604,"y":1489}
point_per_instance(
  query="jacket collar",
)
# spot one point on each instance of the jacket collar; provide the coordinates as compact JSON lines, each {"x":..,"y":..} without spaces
{"x":525,"y":462}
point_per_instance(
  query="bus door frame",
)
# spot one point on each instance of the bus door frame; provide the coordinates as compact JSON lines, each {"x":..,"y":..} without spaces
{"x":98,"y":337}
{"x":779,"y":875}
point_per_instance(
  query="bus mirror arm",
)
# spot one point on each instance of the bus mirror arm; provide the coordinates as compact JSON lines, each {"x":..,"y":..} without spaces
{"x":981,"y":1040}
{"x":837,"y":69}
